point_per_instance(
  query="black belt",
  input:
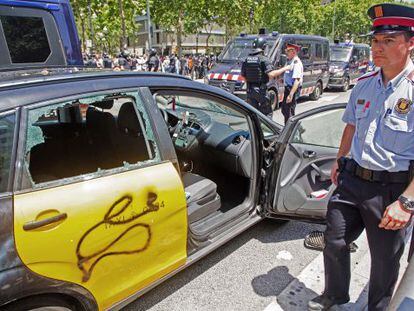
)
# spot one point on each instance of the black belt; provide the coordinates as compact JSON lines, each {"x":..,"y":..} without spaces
{"x":376,"y":176}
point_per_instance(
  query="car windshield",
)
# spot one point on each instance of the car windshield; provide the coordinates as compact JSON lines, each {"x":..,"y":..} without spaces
{"x":194,"y":103}
{"x":340,"y":54}
{"x":238,"y":49}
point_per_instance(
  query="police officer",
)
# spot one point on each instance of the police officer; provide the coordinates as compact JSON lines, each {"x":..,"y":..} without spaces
{"x":107,"y":62}
{"x":153,"y":62}
{"x":374,"y":191}
{"x":293,"y":79}
{"x":255,"y":70}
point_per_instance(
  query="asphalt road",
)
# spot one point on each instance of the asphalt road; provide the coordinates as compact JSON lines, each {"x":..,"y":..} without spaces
{"x":248,"y":272}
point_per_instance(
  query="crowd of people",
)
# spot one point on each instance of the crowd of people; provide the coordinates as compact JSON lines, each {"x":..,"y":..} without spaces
{"x":195,"y":66}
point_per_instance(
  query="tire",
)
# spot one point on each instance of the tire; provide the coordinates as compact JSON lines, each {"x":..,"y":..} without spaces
{"x":345,"y":87}
{"x":317,"y":92}
{"x":46,"y":303}
{"x":274,"y":99}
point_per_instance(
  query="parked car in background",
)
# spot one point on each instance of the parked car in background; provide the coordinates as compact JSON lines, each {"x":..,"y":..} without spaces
{"x":349,"y":61}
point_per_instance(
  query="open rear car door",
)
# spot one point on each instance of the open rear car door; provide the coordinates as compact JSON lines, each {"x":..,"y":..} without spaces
{"x":299,"y":179}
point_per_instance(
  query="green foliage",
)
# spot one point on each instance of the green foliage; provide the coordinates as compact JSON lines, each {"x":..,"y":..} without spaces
{"x":106,"y":21}
{"x":185,"y":17}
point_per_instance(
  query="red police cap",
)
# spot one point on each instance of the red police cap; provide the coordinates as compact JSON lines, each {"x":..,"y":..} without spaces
{"x":293,"y":46}
{"x":388,"y":17}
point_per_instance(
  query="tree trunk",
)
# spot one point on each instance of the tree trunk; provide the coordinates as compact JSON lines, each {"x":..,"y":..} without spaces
{"x":208,"y":36}
{"x":83,"y":34}
{"x":180,"y":33}
{"x":123,"y":34}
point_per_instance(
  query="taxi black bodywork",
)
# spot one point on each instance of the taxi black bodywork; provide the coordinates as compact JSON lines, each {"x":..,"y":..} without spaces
{"x":113,"y":182}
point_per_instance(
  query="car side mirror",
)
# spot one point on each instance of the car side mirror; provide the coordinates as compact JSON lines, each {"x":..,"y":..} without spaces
{"x":282,"y":60}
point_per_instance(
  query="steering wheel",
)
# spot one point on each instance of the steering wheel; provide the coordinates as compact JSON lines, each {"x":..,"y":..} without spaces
{"x":165,"y":115}
{"x":171,"y":129}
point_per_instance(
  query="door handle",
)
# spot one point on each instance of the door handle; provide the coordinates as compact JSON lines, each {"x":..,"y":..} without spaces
{"x":309,"y":154}
{"x":322,"y":175}
{"x":35,"y":224}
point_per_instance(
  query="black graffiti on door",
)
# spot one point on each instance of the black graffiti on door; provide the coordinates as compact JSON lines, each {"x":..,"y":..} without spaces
{"x":114,"y":218}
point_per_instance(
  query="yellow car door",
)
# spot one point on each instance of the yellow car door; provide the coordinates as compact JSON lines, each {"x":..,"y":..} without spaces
{"x":101,"y":209}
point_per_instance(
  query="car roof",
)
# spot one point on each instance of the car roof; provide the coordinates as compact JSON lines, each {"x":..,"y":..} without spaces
{"x":19,"y":89}
{"x":284,"y":35}
{"x":347,"y":44}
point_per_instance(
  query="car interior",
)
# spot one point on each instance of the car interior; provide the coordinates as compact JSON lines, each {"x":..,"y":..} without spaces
{"x":212,"y":143}
{"x":214,"y":149}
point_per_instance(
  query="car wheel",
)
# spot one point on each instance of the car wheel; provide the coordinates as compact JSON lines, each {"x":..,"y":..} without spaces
{"x":274,"y":99}
{"x":317,"y":92}
{"x":345,"y":87}
{"x":44,"y":303}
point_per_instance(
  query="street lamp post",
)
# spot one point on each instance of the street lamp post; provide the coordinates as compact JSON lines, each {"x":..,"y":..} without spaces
{"x":149,"y":25}
{"x":333,"y":22}
{"x":90,"y":24}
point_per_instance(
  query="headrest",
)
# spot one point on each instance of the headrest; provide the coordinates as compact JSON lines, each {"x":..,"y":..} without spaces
{"x":128,"y":122}
{"x":104,"y":104}
{"x":69,"y":114}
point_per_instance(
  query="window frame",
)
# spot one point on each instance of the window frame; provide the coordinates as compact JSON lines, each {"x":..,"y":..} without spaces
{"x":12,"y":168}
{"x":56,"y":56}
{"x":21,"y":181}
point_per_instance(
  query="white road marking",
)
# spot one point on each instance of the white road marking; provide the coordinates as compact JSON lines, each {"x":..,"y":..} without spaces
{"x":329,"y":98}
{"x":274,"y":306}
{"x":284,"y":255}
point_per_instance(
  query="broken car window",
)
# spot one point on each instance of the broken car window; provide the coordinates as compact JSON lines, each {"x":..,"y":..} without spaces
{"x":88,"y":135}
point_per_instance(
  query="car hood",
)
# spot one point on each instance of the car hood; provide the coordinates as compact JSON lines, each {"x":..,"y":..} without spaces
{"x":338,"y":65}
{"x":226,"y":68}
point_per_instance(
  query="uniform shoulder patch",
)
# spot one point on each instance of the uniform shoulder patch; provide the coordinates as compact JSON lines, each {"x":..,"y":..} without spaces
{"x":368,"y":75}
{"x":295,"y":61}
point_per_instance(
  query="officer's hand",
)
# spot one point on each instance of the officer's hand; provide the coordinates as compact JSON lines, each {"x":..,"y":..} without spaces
{"x":289,"y":99}
{"x":394,"y":217}
{"x":334,"y":173}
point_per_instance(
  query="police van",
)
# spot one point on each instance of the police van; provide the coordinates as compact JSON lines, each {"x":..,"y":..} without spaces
{"x":39,"y":33}
{"x":349,"y":61}
{"x":314,"y":54}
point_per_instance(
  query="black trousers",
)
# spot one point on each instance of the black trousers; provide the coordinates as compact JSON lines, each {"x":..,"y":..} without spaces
{"x":257,"y":97}
{"x":288,"y":109}
{"x":354,"y":206}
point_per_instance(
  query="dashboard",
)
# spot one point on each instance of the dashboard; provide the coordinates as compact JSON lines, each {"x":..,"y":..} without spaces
{"x":222,"y":140}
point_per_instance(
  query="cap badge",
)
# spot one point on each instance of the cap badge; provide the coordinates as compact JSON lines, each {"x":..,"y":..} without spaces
{"x":378,"y":11}
{"x":403,"y":106}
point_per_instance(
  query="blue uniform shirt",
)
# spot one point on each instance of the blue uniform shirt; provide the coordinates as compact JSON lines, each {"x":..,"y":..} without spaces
{"x":295,"y":71}
{"x":383,"y":116}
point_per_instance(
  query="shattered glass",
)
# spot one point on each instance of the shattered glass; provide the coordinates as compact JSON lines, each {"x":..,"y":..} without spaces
{"x":55,"y":130}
